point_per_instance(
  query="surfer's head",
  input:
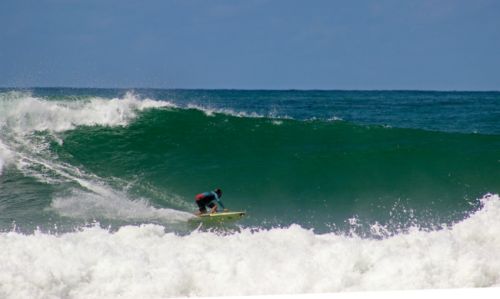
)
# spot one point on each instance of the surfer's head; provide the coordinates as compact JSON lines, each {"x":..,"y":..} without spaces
{"x":218,"y":191}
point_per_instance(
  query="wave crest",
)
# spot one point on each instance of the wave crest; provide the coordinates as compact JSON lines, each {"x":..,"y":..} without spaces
{"x":27,"y":113}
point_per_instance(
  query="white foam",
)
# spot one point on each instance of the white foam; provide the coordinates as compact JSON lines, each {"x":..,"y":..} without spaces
{"x":115,"y":206}
{"x":27,"y":113}
{"x":146,"y":262}
{"x":210,"y":111}
{"x":335,"y":118}
{"x":4,"y":155}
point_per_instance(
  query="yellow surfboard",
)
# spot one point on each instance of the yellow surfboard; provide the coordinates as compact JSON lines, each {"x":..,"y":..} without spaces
{"x":222,"y":216}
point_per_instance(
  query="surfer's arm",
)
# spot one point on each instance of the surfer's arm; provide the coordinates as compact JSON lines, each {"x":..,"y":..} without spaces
{"x":221,"y":204}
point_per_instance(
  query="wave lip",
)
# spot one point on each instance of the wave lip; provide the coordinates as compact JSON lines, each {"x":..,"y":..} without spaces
{"x":28,"y":113}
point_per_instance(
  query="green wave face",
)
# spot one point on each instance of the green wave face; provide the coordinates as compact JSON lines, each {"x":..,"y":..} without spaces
{"x":282,"y":171}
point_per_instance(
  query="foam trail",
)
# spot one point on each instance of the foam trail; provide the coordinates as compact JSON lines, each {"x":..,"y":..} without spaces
{"x":99,"y":200}
{"x":115,"y":206}
{"x":209,"y":111}
{"x":147,"y":262}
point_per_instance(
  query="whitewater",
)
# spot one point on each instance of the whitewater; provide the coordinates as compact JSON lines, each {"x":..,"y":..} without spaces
{"x":144,"y":261}
{"x":97,"y":186}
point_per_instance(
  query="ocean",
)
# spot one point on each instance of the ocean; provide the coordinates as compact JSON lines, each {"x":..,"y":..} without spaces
{"x":343,"y":190}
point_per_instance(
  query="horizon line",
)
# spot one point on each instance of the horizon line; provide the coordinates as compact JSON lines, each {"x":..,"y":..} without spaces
{"x":249,"y":89}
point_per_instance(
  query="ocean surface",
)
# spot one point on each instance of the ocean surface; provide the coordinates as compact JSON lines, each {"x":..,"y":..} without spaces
{"x":344,"y":191}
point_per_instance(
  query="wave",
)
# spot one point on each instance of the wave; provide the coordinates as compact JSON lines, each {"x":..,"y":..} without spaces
{"x":315,"y":170}
{"x":111,"y":156}
{"x":146,"y":261}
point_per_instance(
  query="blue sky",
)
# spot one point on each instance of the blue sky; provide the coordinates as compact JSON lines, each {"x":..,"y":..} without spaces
{"x":252,"y":44}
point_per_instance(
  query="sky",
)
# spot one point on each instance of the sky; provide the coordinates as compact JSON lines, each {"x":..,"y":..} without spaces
{"x":251,"y":44}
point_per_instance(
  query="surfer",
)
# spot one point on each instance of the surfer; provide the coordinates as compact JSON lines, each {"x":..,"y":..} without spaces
{"x":209,"y":199}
